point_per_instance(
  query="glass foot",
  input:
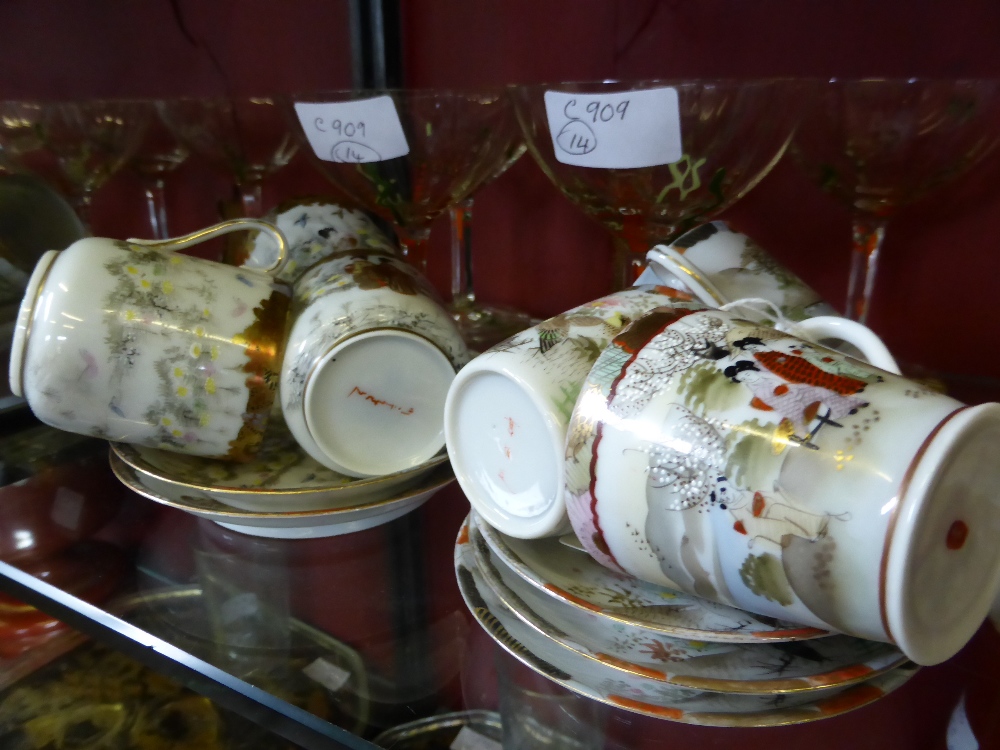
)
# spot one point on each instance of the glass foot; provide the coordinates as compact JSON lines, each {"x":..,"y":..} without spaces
{"x":482,"y":326}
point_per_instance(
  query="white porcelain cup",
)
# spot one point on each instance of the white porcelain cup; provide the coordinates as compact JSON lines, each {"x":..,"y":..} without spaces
{"x":315,"y":228}
{"x":370,"y":356}
{"x":752,"y":467}
{"x":508,"y":410}
{"x":132,"y":342}
{"x":719,"y":266}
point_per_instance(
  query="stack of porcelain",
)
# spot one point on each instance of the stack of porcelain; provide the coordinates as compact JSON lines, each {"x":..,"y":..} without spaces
{"x":688,"y":507}
{"x":264,"y":394}
{"x":659,"y":652}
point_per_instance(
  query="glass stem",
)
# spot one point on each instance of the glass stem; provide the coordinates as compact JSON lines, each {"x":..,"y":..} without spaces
{"x":631,"y":243}
{"x":414,"y":246}
{"x":866,"y":245}
{"x":252,"y":199}
{"x":81,"y":204}
{"x":462,"y":291}
{"x":156,"y":205}
{"x":630,"y":260}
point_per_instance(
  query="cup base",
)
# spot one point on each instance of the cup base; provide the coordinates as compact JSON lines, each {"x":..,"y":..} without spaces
{"x":941,"y":565}
{"x":374,"y":404}
{"x":510,"y":464}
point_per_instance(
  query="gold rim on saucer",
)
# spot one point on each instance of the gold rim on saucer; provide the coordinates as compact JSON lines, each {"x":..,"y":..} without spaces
{"x":438,"y":479}
{"x":131,"y":457}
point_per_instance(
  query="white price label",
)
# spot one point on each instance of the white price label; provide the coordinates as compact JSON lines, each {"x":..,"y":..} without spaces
{"x":627,"y":130}
{"x":468,"y":739}
{"x":355,"y":132}
{"x":327,"y":674}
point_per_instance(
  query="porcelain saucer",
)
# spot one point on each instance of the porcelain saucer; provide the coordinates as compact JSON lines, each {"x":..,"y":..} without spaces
{"x":598,"y":681}
{"x":769,"y":668}
{"x":282,"y":477}
{"x":572,"y":576}
{"x":341,"y":516}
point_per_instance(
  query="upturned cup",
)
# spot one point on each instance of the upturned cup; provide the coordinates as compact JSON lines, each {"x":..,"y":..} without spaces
{"x":719,"y":265}
{"x":133,"y":342}
{"x":508,"y":410}
{"x":749,"y":466}
{"x":370,"y":356}
{"x":315,"y":228}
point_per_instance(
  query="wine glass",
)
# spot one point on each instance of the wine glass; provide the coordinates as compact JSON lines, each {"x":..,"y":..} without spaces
{"x":77,"y":145}
{"x":92,"y":140}
{"x":248,"y":136}
{"x":482,"y":325}
{"x":407,"y":155}
{"x":880,"y":144}
{"x":159,"y":154}
{"x":20,"y":128}
{"x":651,"y":159}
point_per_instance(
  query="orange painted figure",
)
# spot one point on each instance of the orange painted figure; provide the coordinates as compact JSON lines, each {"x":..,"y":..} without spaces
{"x":797,"y":369}
{"x":800,"y":404}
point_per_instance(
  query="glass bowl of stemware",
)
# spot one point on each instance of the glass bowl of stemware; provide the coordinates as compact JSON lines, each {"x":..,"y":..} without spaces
{"x":407,"y":155}
{"x":246,"y":136}
{"x":877,"y":145}
{"x":77,"y":146}
{"x":704,"y":144}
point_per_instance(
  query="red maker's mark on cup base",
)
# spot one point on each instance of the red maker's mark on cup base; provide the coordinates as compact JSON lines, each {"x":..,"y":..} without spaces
{"x":379,"y":402}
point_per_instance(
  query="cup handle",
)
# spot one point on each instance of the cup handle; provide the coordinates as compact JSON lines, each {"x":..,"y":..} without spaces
{"x":665,"y":260}
{"x":233,"y":225}
{"x":832,"y":327}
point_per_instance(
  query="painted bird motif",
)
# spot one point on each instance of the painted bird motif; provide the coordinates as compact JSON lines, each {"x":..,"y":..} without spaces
{"x":555,"y":330}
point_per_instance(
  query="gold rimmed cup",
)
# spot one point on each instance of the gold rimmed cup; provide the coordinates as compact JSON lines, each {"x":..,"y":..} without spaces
{"x":133,"y":342}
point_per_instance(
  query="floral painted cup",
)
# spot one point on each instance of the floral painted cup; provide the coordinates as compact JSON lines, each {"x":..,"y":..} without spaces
{"x":315,"y":229}
{"x":748,"y":466}
{"x":132,"y":342}
{"x":719,"y":266}
{"x":370,"y":357}
{"x":508,"y":410}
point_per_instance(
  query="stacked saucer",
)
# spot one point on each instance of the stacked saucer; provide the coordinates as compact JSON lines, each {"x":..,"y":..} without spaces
{"x":658,"y":652}
{"x":281,"y":493}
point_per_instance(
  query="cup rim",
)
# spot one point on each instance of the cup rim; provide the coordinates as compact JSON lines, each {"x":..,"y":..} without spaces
{"x":25,"y":320}
{"x":897,"y":584}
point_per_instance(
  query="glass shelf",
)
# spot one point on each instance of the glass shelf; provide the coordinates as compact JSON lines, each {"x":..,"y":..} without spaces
{"x":330,"y":642}
{"x":325,"y":642}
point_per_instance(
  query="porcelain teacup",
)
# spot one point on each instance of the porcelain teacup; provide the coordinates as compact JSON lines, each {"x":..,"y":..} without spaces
{"x":749,"y":466}
{"x":508,"y":410}
{"x":315,"y":229}
{"x":719,"y":266}
{"x":132,"y":342}
{"x":370,"y":356}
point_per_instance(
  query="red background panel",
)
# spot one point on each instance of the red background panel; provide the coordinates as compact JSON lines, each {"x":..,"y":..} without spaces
{"x":939,"y":255}
{"x":935,"y":302}
{"x":533,"y":249}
